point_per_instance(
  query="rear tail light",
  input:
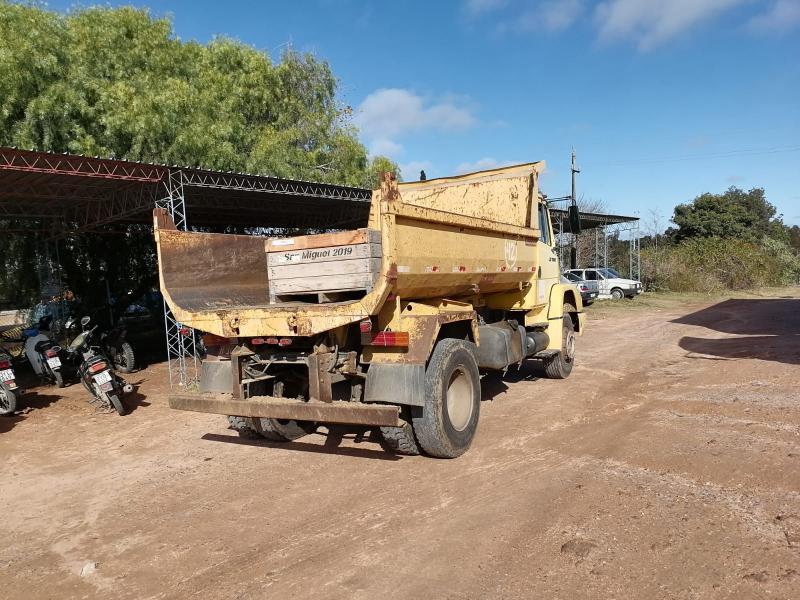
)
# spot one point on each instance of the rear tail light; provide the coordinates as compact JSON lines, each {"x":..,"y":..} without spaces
{"x":584,"y":288}
{"x":185,"y":331}
{"x":4,"y":364}
{"x":258,"y":341}
{"x":51,"y":352}
{"x":390,"y":338}
{"x":284,"y":341}
{"x":97,"y":367}
{"x":382,"y":338}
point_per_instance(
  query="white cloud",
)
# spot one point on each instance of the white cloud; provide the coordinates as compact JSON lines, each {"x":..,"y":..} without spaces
{"x":410,"y":170}
{"x":483,"y":164}
{"x":653,"y":23}
{"x":782,"y":16}
{"x":477,"y":7}
{"x":386,"y":113}
{"x":385,"y":147}
{"x":552,"y":15}
{"x":558,"y":15}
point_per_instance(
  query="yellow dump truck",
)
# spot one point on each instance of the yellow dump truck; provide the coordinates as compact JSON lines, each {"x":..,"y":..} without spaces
{"x":391,"y":325}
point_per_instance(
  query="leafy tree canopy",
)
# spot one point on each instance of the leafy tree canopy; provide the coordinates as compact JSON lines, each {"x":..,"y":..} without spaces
{"x":118,"y":82}
{"x":732,"y":214}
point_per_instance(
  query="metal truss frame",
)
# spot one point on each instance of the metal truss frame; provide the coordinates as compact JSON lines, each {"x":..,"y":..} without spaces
{"x":31,"y":161}
{"x":181,"y":340}
{"x":598,"y":238}
{"x":285,"y":187}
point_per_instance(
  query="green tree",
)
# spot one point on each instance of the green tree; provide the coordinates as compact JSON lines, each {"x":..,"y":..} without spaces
{"x":732,"y":214}
{"x":118,"y":82}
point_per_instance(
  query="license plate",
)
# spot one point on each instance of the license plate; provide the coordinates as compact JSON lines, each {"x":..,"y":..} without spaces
{"x":7,"y":375}
{"x":103,"y":377}
{"x":54,"y":362}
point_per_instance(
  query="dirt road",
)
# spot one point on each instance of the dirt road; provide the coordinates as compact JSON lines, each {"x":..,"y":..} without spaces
{"x":667,"y":466}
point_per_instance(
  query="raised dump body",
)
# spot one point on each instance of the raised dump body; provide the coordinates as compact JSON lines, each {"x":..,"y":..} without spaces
{"x":463,"y":266}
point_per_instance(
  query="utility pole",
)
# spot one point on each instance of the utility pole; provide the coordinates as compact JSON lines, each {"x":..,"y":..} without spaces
{"x":573,"y":251}
{"x":575,"y":171}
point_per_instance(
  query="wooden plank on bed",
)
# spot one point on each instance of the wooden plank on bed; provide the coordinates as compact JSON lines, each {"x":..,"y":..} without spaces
{"x":334,"y":267}
{"x":325,"y":254}
{"x":323,"y":283}
{"x":323,"y":240}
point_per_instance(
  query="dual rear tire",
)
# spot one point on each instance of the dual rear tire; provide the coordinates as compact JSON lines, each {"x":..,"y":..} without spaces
{"x":446,"y":424}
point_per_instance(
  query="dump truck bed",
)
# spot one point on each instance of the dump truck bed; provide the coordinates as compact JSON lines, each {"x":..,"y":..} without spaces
{"x":442,"y":238}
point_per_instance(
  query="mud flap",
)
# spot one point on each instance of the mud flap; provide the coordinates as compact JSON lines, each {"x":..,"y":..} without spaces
{"x":396,"y":384}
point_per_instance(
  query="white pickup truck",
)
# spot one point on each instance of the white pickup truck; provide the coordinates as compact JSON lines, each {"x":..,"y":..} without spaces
{"x":610,"y":282}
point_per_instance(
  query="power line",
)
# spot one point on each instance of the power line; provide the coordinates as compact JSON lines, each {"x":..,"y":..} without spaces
{"x":750,"y":152}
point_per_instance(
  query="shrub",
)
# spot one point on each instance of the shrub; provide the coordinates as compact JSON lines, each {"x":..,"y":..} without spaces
{"x":714,"y":264}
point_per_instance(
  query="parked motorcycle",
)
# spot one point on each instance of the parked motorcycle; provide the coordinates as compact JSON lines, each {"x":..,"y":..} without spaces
{"x":9,"y":390}
{"x":43,"y":353}
{"x":95,"y":369}
{"x":118,"y":349}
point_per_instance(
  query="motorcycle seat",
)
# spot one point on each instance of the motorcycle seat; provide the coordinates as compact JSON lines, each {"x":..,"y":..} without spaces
{"x":42,"y":345}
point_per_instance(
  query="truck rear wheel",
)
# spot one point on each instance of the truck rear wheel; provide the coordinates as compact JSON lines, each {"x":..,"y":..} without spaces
{"x":243,"y":426}
{"x":449,"y":418}
{"x":281,"y":430}
{"x":559,"y":366}
{"x":400,"y":440}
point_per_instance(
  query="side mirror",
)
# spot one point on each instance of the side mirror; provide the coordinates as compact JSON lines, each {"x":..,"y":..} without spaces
{"x":85,"y":321}
{"x":574,"y":219}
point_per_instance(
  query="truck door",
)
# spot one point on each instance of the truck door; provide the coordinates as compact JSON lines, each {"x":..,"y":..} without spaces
{"x":549,"y":270}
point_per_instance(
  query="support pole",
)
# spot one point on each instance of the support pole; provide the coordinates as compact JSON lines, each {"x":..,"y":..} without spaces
{"x":181,"y":347}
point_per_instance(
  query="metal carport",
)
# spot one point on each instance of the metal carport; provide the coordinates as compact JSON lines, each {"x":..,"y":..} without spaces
{"x":71,"y":193}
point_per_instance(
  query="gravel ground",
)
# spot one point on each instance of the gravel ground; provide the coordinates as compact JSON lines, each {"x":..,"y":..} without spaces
{"x":667,"y":466}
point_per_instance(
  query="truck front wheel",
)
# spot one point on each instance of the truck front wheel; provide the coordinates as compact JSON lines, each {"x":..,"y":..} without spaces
{"x":559,"y":366}
{"x":449,"y":418}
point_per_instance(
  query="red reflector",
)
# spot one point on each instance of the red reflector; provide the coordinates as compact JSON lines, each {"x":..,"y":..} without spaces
{"x":284,"y":341}
{"x":365,"y":326}
{"x":51,"y":353}
{"x":390,"y":338}
{"x":97,"y":367}
{"x":4,"y":364}
{"x":273,"y":341}
{"x":257,"y":341}
{"x":185,"y":331}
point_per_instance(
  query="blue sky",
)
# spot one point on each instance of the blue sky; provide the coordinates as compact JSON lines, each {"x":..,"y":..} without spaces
{"x":662,"y":99}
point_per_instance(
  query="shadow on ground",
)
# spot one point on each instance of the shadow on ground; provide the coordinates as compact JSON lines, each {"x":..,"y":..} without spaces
{"x":766,"y":329}
{"x":26,"y":402}
{"x":332,"y":445}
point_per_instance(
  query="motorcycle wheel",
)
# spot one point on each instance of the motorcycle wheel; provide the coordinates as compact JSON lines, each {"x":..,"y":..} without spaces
{"x":8,"y":402}
{"x":59,"y":379}
{"x":116,"y":403}
{"x":124,"y":358}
